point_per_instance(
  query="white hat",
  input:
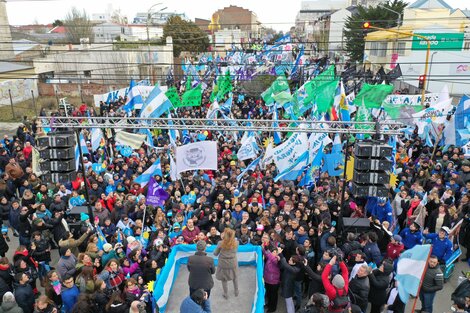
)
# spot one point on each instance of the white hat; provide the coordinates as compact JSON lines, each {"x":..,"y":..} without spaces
{"x":8,"y":297}
{"x":107,"y":247}
{"x":130,"y":239}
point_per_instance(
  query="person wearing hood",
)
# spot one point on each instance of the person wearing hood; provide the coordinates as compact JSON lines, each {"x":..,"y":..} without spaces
{"x":441,"y":245}
{"x":379,"y":280}
{"x":412,"y":236}
{"x":9,"y":304}
{"x":66,"y":264}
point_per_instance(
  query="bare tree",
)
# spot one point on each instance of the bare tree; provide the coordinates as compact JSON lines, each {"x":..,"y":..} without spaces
{"x":78,"y":25}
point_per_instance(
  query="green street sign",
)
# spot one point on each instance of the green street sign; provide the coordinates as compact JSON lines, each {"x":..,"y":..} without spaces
{"x":439,"y":41}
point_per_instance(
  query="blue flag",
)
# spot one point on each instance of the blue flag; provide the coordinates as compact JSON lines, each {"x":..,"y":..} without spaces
{"x":154,"y":169}
{"x":156,"y":104}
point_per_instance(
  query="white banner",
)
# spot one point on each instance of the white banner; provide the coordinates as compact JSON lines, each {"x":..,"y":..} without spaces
{"x":114,"y":95}
{"x":197,"y":156}
{"x":429,"y":99}
{"x":132,"y":140}
{"x":316,"y":140}
{"x":290,"y":150}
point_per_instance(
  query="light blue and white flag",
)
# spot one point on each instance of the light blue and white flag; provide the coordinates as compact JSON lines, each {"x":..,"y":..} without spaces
{"x":156,"y":104}
{"x":317,"y":140}
{"x":96,"y":138}
{"x":337,"y":145}
{"x":287,"y":153}
{"x":276,"y":135}
{"x":410,"y":269}
{"x":249,"y":148}
{"x":77,"y":151}
{"x":171,"y":132}
{"x":154,"y":169}
{"x":309,"y":179}
{"x":295,"y":169}
{"x":250,"y":167}
{"x":173,"y":171}
{"x":134,"y":98}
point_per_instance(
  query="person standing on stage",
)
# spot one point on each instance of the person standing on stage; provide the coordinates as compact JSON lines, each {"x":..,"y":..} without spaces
{"x":201,"y":268}
{"x":227,"y":269}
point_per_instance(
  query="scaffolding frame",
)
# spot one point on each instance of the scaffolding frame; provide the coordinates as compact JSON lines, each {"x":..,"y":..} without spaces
{"x":225,"y":125}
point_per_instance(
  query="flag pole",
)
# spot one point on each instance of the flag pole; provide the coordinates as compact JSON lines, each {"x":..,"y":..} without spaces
{"x":421,"y":281}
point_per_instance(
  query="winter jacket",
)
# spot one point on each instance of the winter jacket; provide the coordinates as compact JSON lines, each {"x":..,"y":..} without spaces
{"x":119,"y":308}
{"x":66,"y":266}
{"x":442,"y":248}
{"x":272,"y":272}
{"x":112,"y":279}
{"x":6,"y":280}
{"x":462,"y":291}
{"x":73,"y":244}
{"x":201,"y":268}
{"x":379,"y":282}
{"x":411,"y":239}
{"x":40,"y":253}
{"x":190,"y":235}
{"x":69,"y":297}
{"x":433,"y":280}
{"x":330,"y":290}
{"x":10,"y":307}
{"x":394,"y":250}
{"x":189,"y":306}
{"x":288,"y":278}
{"x":359,"y":291}
{"x":372,"y":251}
{"x":24,"y":296}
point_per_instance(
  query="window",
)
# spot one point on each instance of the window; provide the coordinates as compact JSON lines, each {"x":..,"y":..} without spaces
{"x":382,"y":49}
{"x":373,"y":48}
{"x":401,"y":48}
{"x":466,"y":45}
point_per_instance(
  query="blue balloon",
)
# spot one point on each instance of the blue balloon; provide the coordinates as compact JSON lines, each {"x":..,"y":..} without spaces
{"x":185,"y":199}
{"x":126,"y":151}
{"x":97,"y":167}
{"x":236,"y":193}
{"x":192,"y":198}
{"x":201,"y":137}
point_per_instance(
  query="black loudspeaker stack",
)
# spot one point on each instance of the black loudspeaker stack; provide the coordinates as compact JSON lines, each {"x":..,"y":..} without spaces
{"x":372,"y":167}
{"x":57,"y":154}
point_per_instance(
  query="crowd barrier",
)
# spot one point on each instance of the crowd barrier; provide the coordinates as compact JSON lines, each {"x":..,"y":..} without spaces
{"x":248,"y":255}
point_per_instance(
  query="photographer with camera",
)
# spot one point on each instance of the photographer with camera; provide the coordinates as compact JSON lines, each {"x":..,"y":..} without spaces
{"x":336,"y":289}
{"x":197,"y":302}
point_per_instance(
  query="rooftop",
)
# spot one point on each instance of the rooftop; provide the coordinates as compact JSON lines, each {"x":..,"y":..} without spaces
{"x":6,"y":67}
{"x":429,"y":4}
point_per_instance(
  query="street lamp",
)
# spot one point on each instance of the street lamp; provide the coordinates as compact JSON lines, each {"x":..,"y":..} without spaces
{"x":430,"y":66}
{"x":393,"y":11}
{"x":367,"y":25}
{"x":149,"y":16}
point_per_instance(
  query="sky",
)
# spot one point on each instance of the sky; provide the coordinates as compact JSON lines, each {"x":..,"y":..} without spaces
{"x":278,"y":14}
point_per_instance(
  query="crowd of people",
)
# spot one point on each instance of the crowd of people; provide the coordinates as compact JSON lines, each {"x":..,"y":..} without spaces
{"x":310,"y":259}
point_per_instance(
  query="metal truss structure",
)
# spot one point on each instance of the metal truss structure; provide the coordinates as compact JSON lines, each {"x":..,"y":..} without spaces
{"x":202,"y":124}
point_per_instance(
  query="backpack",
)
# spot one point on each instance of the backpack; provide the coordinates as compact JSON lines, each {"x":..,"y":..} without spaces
{"x":340,"y":302}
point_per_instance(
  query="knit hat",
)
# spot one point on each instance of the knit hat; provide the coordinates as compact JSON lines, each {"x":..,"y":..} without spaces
{"x":63,"y":250}
{"x":107,"y":247}
{"x":130,"y":239}
{"x":338,"y":281}
{"x":201,"y":246}
{"x":176,"y":225}
{"x":84,"y":217}
{"x":397,"y":238}
{"x":37,"y":221}
{"x":8,"y":297}
{"x":388,"y":268}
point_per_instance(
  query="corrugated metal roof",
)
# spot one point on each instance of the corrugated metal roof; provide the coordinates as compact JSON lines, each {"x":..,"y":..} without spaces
{"x":6,"y":67}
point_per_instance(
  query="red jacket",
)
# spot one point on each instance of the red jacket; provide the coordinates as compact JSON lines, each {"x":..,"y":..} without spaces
{"x":330,"y":290}
{"x":394,"y":250}
{"x":190,"y":235}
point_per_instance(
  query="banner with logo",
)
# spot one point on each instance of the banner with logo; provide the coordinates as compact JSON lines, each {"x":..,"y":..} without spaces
{"x":197,"y":156}
{"x":430,"y":99}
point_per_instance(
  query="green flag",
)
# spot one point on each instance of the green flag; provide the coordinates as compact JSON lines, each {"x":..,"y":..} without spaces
{"x":192,"y":98}
{"x":188,"y":83}
{"x":279,"y":85}
{"x":282,"y":97}
{"x":173,"y":96}
{"x":396,"y":111}
{"x":373,"y":95}
{"x":363,"y":115}
{"x":214,"y":92}
{"x":325,"y":96}
{"x":313,"y":89}
{"x":224,"y":86}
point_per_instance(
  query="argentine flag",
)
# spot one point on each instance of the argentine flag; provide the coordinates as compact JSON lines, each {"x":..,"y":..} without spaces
{"x":134,"y":98}
{"x":154,"y":169}
{"x":96,"y":137}
{"x":156,"y":104}
{"x":410,"y":269}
